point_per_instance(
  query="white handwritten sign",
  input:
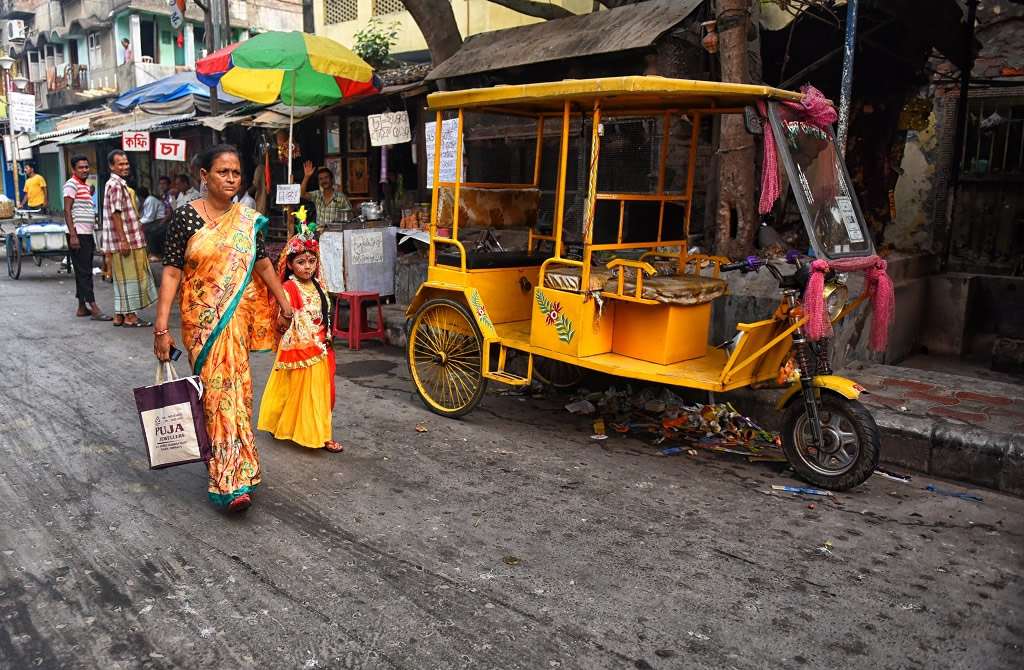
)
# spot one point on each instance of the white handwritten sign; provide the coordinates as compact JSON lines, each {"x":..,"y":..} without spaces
{"x":449,"y":149}
{"x":366,"y":247}
{"x":22,"y":112}
{"x":135,"y":140}
{"x":288,"y":194}
{"x":389,"y":128}
{"x":169,"y":150}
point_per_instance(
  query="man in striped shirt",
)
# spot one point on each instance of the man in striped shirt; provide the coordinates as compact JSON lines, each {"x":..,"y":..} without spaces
{"x":80,"y":218}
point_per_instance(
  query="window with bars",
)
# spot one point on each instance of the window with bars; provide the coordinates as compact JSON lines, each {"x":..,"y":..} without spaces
{"x":340,"y":11}
{"x":994,"y":141}
{"x":382,"y":7}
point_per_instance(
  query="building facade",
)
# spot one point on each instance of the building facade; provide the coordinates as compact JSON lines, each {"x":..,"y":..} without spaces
{"x":72,"y":51}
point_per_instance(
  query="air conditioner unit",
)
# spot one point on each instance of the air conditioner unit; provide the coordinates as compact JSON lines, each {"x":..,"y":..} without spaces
{"x":15,"y":31}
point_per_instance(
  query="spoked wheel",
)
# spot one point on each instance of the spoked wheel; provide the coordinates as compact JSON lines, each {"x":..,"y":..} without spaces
{"x":850,"y":448}
{"x":556,"y":374}
{"x":446,"y":357}
{"x":38,"y":260}
{"x":13,"y":256}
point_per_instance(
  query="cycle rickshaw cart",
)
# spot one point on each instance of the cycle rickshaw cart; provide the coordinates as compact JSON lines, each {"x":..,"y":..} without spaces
{"x":610,"y":164}
{"x":36,"y":241}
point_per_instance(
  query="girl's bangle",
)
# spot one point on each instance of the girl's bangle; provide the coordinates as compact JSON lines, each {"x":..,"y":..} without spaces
{"x":287,"y":317}
{"x":161,"y":332}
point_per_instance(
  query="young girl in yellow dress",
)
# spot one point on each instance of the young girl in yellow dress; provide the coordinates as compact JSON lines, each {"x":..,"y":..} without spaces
{"x":299,"y":398}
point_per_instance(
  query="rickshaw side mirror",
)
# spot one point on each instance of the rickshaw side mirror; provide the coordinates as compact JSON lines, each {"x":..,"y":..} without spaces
{"x":753,"y":121}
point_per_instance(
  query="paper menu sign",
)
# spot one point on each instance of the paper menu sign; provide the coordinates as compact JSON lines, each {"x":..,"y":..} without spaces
{"x":288,"y":194}
{"x":449,"y":149}
{"x":389,"y":128}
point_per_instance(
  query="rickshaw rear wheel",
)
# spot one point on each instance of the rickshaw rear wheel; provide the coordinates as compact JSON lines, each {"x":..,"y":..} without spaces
{"x":446,"y":357}
{"x":851,"y":443}
{"x":556,"y":374}
{"x":13,"y":256}
{"x":38,"y":260}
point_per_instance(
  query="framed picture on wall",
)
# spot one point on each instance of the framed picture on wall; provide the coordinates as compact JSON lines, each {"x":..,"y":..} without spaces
{"x":333,"y":164}
{"x":358,"y":176}
{"x":356,"y":134}
{"x":333,"y":136}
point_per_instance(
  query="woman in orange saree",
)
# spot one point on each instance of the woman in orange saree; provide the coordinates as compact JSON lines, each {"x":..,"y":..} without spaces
{"x":215,"y":254}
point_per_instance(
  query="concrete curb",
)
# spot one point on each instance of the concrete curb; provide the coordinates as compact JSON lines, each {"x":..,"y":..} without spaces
{"x":956,"y":451}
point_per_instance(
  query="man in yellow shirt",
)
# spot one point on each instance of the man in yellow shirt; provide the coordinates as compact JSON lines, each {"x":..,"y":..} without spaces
{"x":35,"y":189}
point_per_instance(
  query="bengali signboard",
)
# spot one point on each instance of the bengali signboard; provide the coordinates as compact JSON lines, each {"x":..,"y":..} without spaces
{"x":135,"y":140}
{"x":389,"y":128}
{"x":449,"y":149}
{"x":21,"y":110}
{"x":169,"y":150}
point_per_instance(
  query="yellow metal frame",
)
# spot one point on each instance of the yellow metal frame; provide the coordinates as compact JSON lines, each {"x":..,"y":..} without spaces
{"x":597,"y":98}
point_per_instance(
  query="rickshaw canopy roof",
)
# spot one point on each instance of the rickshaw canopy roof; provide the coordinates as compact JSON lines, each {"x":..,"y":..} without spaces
{"x":615,"y":93}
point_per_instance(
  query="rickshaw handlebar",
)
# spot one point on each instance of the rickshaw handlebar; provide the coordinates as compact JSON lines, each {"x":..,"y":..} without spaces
{"x":748,"y":264}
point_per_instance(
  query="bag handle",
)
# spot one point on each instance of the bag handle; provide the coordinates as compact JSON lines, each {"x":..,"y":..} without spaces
{"x":165,"y":373}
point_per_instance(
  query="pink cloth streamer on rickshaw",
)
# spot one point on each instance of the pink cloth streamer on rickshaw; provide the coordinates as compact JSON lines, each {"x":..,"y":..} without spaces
{"x":815,"y":108}
{"x":877,"y":285}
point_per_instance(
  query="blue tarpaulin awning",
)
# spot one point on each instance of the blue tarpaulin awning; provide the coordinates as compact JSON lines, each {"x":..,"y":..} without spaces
{"x":177,"y":94}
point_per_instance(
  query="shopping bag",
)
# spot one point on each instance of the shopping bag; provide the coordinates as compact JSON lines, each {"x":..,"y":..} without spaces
{"x":173,"y":423}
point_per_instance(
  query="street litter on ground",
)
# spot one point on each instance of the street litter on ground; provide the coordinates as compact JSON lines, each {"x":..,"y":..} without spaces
{"x":965,"y":496}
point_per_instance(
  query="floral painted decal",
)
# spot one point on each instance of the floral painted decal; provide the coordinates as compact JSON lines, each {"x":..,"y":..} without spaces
{"x":480,"y":312}
{"x":553,"y":316}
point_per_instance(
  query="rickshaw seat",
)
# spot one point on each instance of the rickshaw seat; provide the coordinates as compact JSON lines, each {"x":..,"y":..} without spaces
{"x":490,"y":260}
{"x":673,"y":289}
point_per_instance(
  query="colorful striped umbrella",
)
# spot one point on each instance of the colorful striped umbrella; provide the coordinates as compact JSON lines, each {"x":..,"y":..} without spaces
{"x":294,"y":67}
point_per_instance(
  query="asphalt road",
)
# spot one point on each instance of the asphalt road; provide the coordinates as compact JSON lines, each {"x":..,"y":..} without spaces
{"x":509,"y":539}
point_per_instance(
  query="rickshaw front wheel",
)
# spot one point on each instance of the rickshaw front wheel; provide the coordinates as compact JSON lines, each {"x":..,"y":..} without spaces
{"x":851,"y":443}
{"x":446,"y":357}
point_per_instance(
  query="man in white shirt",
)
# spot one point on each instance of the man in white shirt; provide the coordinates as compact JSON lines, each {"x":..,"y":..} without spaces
{"x":152,"y":220}
{"x":186,"y":194}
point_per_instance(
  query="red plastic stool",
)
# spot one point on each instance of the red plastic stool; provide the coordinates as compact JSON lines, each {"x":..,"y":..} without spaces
{"x":358,"y":326}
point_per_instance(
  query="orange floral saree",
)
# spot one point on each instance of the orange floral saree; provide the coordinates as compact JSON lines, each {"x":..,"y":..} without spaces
{"x":226,"y":312}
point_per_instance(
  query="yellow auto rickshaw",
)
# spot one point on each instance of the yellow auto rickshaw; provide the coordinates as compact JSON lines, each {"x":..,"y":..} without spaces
{"x":583,"y":171}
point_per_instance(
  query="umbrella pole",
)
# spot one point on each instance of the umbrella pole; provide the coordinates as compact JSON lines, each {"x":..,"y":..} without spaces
{"x":291,"y":157}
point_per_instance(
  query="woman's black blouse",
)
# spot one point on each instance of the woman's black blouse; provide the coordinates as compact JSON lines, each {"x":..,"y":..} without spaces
{"x":184,"y":222}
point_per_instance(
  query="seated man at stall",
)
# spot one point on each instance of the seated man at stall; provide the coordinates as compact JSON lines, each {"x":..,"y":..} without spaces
{"x":329,"y":201}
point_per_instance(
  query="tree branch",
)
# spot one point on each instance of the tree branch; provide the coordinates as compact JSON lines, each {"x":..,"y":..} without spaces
{"x":201,"y":6}
{"x":535,"y":8}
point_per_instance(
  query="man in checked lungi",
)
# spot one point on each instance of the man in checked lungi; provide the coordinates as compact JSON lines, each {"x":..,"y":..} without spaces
{"x":123,"y":239}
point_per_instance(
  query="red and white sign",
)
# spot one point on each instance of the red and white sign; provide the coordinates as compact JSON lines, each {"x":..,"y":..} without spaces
{"x":169,"y":150}
{"x":135,"y":140}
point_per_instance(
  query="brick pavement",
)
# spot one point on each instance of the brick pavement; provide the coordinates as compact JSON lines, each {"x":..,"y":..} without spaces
{"x":994,"y":406}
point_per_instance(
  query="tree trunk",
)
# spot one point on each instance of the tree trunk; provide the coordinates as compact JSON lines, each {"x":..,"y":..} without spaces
{"x":736,"y":210}
{"x":540,"y":10}
{"x":436,"y":21}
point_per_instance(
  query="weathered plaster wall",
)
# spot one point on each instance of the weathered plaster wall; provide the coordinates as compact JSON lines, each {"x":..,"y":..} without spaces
{"x":911,"y":229}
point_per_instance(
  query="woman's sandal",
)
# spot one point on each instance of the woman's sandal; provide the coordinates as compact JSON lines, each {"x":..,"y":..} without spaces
{"x":333,"y":447}
{"x":241,"y":502}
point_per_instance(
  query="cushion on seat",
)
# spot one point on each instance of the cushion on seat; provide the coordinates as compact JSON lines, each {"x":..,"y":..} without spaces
{"x":487,"y":260}
{"x":567,"y":278}
{"x":675,"y":289}
{"x":489,"y":207}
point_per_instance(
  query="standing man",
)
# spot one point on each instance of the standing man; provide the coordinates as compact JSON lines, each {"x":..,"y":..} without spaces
{"x":122,"y":238}
{"x":186,"y":194}
{"x":35,"y":189}
{"x":328,"y":200}
{"x":152,"y":219}
{"x":80,"y":218}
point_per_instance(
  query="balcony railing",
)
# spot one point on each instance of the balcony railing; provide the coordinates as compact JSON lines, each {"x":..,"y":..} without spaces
{"x":73,"y":77}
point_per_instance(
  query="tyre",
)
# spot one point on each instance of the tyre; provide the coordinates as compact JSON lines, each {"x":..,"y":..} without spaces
{"x":13,"y":256}
{"x":556,"y":374}
{"x":851,"y":443}
{"x":38,"y":260}
{"x":446,"y":357}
